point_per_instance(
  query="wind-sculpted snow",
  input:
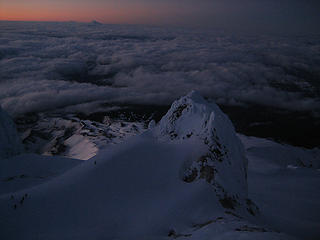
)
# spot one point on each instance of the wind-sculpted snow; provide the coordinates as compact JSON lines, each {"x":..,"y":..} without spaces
{"x":10,"y":143}
{"x":46,"y":66}
{"x":217,"y":156}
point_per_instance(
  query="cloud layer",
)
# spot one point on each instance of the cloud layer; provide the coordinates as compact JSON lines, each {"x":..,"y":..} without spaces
{"x":46,"y":66}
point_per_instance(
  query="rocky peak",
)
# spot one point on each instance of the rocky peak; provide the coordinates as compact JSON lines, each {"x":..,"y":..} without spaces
{"x":223,"y":163}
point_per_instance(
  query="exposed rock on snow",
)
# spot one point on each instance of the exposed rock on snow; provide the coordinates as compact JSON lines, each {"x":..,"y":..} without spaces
{"x":220,"y":158}
{"x":10,"y":143}
{"x":69,"y":136}
{"x":151,"y":124}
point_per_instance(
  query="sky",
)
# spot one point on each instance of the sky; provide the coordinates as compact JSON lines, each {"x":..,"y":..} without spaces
{"x":298,"y":16}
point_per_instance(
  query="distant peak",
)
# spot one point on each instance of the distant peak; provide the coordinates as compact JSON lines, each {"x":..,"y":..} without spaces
{"x":96,"y":22}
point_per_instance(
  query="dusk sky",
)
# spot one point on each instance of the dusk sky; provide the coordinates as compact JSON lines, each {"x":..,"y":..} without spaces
{"x":282,"y":15}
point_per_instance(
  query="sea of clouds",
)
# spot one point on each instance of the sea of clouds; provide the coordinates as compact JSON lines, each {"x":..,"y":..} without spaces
{"x":79,"y":66}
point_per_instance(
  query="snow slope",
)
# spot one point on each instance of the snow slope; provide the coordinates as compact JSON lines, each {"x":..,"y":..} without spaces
{"x":281,"y":155}
{"x":26,"y":170}
{"x":10,"y":143}
{"x":130,"y":192}
{"x":286,"y":190}
{"x":184,"y":178}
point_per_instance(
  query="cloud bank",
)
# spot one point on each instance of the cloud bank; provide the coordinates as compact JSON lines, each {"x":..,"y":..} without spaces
{"x":44,"y":66}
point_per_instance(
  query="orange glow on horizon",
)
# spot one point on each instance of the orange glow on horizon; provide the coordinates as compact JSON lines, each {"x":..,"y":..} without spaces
{"x":82,"y":13}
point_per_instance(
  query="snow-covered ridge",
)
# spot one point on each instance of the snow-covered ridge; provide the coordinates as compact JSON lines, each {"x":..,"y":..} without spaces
{"x":218,"y":157}
{"x":10,"y":143}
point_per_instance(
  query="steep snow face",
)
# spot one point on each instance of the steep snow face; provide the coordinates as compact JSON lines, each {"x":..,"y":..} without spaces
{"x":218,"y":156}
{"x":10,"y":143}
